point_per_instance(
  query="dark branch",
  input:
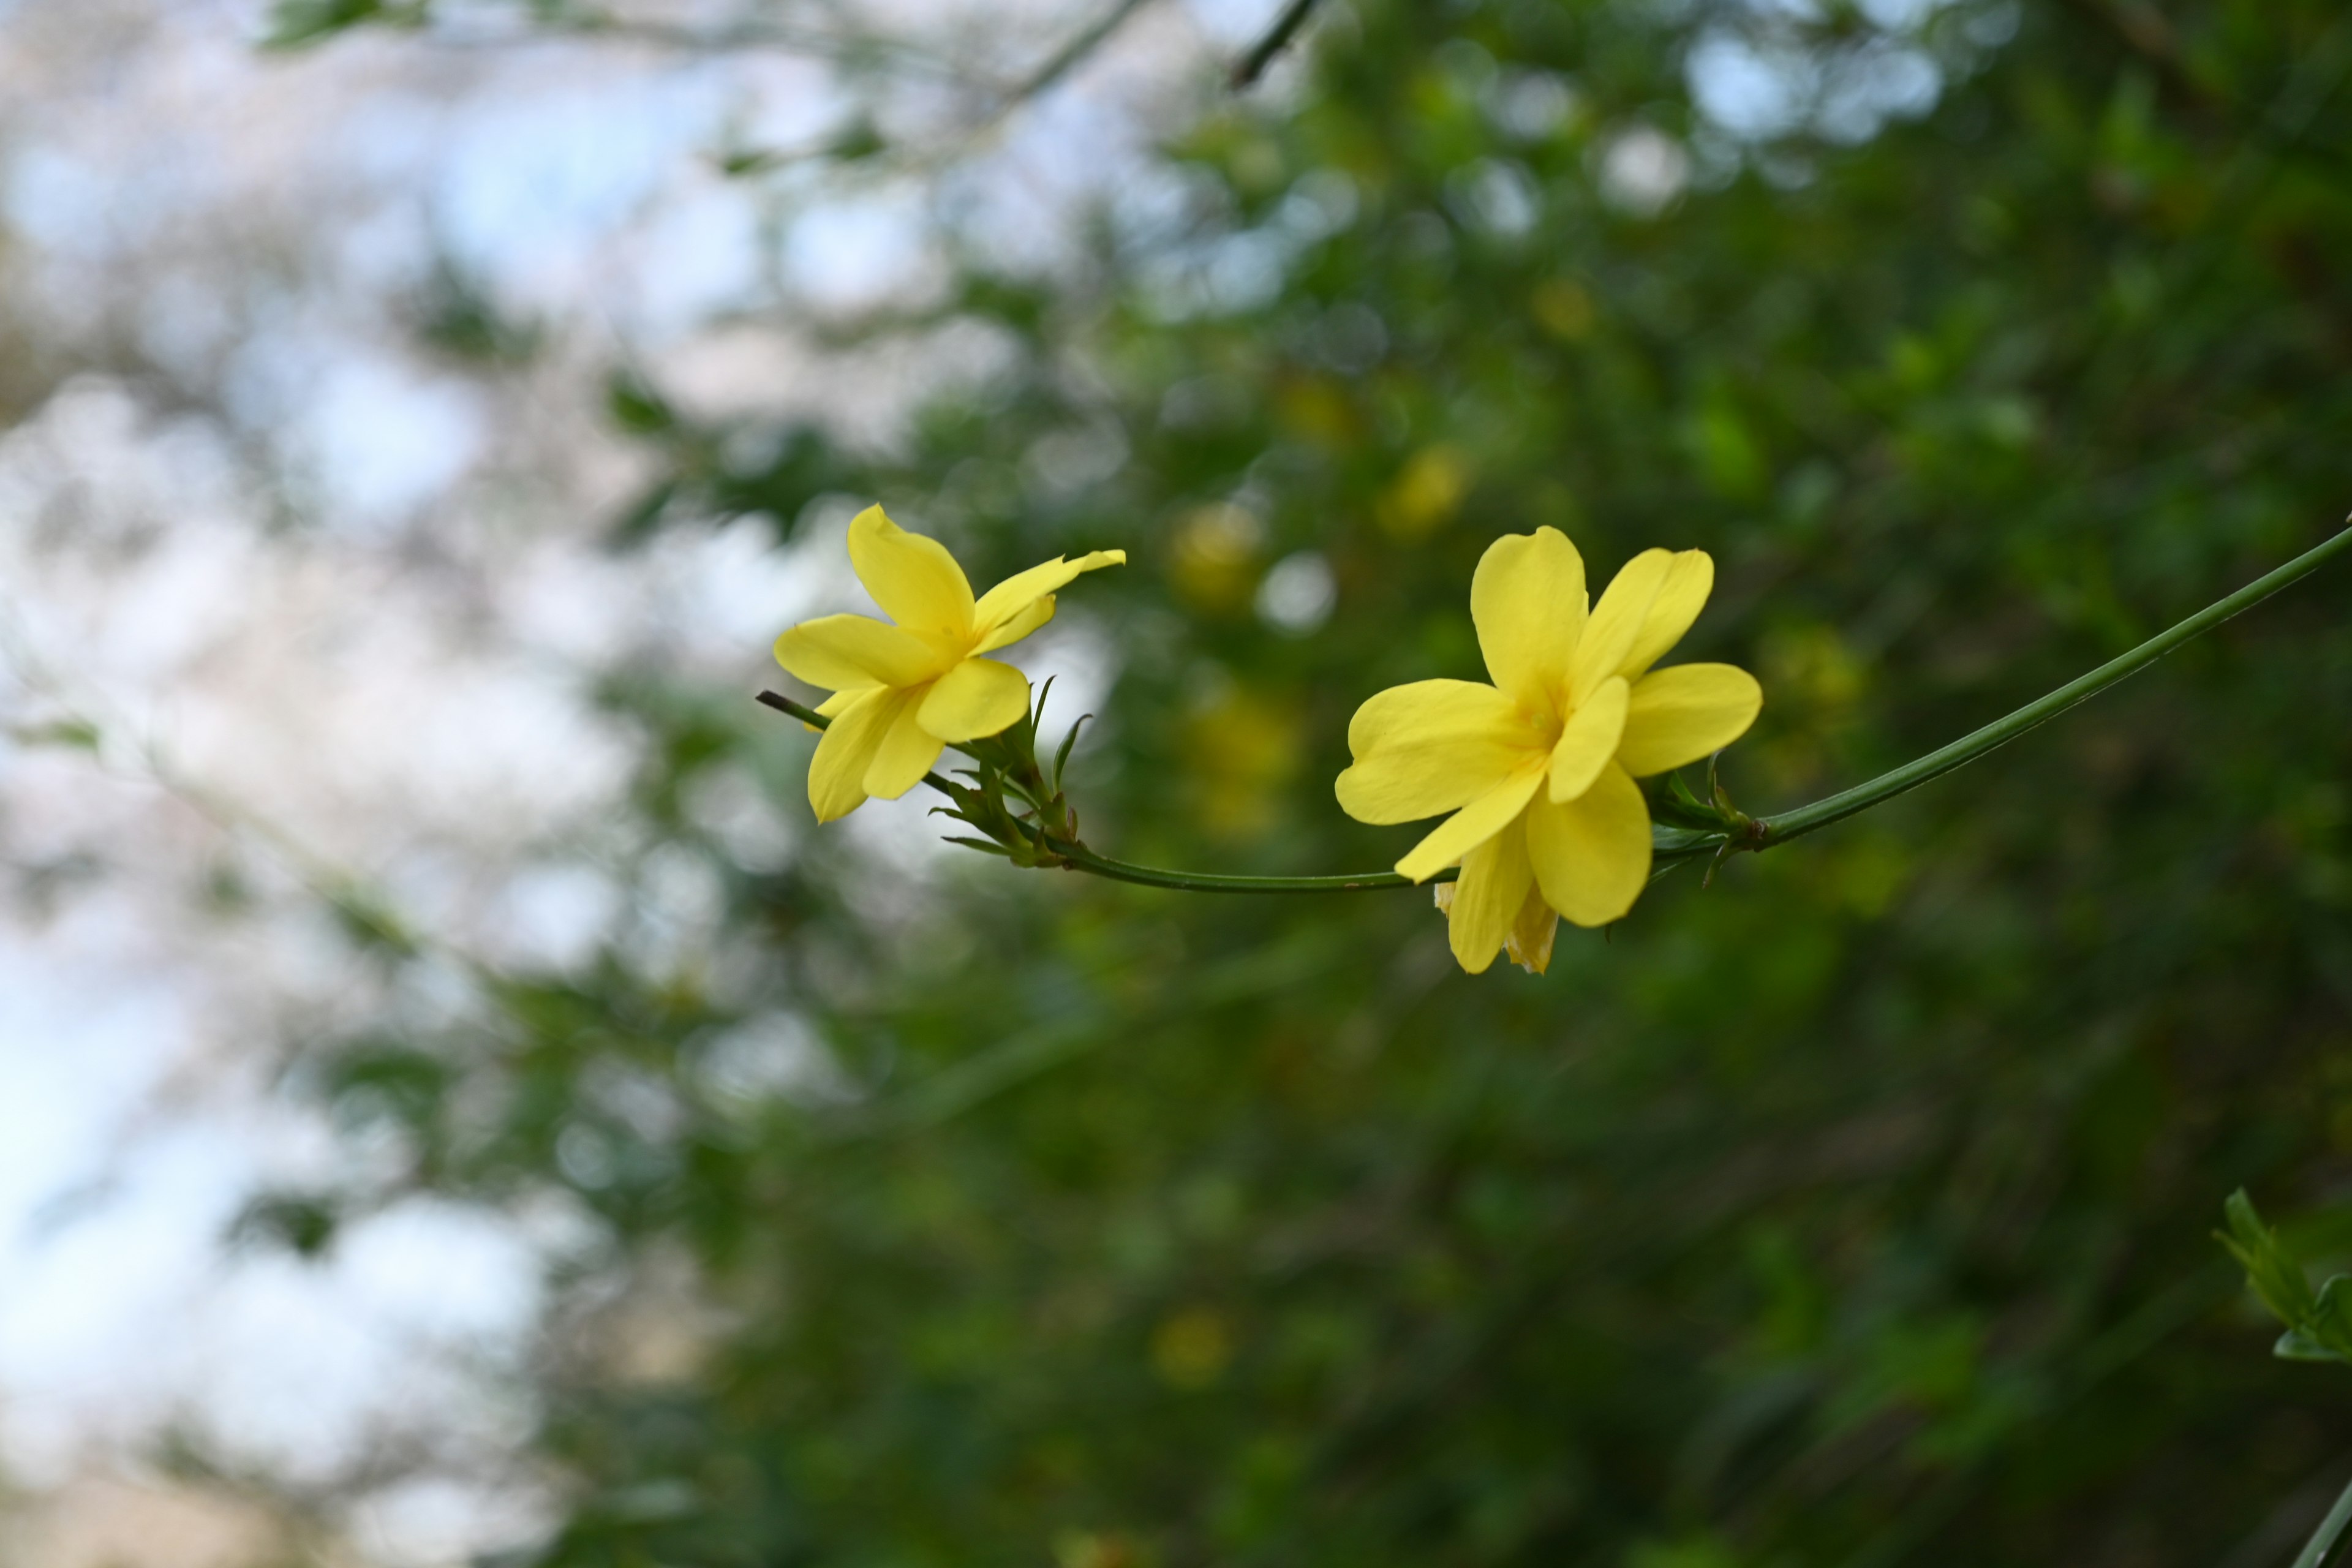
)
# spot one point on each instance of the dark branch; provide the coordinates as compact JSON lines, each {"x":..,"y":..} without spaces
{"x":1252,"y":65}
{"x":1066,"y":59}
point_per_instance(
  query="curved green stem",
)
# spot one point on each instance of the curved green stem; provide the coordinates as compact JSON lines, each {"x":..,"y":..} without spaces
{"x":2331,"y":1530}
{"x":1674,"y":845}
{"x":1082,"y":858}
{"x":1806,"y":819}
{"x":1669,"y":847}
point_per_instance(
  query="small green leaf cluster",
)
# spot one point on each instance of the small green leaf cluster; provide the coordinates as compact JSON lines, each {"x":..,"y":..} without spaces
{"x":1688,"y":825}
{"x":2318,"y":1327}
{"x":1013,"y":799}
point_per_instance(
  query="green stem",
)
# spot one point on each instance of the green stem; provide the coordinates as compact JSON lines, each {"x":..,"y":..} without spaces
{"x":1084,"y":859}
{"x":1806,"y":819}
{"x":2330,"y":1531}
{"x":1672,"y":844}
{"x":1669,"y":847}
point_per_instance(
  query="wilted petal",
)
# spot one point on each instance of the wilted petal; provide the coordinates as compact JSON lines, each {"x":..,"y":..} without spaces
{"x":837,"y":772}
{"x":1021,"y":589}
{"x":1527,"y":601}
{"x":905,"y":754}
{"x":1680,"y":714}
{"x":1429,"y":747}
{"x":1471,"y":826}
{"x":1616,"y":621}
{"x":1690,"y":578}
{"x":1591,"y":855}
{"x":1487,"y":898}
{"x":1529,"y":943}
{"x":841,"y":652}
{"x":978,"y":696}
{"x":1589,"y":739}
{"x":914,"y":579}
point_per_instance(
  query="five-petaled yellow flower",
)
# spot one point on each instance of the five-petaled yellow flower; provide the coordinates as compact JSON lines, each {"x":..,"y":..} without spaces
{"x":902,"y":693}
{"x":1539,"y":768}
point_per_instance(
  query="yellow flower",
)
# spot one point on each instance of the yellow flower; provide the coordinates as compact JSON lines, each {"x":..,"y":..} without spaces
{"x":1539,"y":768}
{"x":901,"y":693}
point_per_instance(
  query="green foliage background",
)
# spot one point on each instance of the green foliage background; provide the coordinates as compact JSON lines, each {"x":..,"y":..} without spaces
{"x":1854,"y":1210}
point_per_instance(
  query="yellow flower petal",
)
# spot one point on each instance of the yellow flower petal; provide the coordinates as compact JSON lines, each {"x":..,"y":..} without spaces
{"x":837,"y":771}
{"x":1527,"y":601}
{"x":1589,"y":739}
{"x":1683,"y":713}
{"x":838,"y":703}
{"x":914,"y":579}
{"x":905,"y":753}
{"x":1689,"y":580}
{"x":1429,"y":747}
{"x":1471,"y":826}
{"x":978,"y":696}
{"x":1017,"y":624}
{"x":1616,"y":621}
{"x":1487,"y":899}
{"x":841,"y":700}
{"x":1529,"y":943}
{"x":1592,"y":855}
{"x":1018,"y":591}
{"x":840,"y":652}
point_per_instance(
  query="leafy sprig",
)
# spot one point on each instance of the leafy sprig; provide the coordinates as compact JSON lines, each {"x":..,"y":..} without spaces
{"x":2318,"y":1324}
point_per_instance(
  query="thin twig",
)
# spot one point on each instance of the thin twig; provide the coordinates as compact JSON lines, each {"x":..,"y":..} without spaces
{"x":1007,"y":100}
{"x":1066,"y":59}
{"x":842,"y":48}
{"x":1277,"y":38}
{"x":732,"y":37}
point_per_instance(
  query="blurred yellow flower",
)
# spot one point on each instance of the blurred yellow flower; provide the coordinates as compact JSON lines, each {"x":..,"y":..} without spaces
{"x":1193,"y":1348}
{"x":1214,"y":562}
{"x":1240,"y":748}
{"x":1427,"y":493}
{"x":1538,"y":768}
{"x":902,"y":693}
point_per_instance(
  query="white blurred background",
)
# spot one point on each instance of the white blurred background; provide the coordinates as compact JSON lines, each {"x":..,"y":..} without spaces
{"x":295,"y":607}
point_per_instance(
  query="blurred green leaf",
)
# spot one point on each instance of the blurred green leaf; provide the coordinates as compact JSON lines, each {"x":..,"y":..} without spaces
{"x":2317,"y":1327}
{"x":77,"y":734}
{"x":298,"y":24}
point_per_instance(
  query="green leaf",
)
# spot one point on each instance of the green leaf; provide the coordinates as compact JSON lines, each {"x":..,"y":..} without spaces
{"x":1062,"y":752}
{"x":861,"y":140}
{"x":2318,"y":1328}
{"x":2272,"y":1270}
{"x":79,"y":734}
{"x":983,"y":845}
{"x":635,"y":406}
{"x":645,"y":514}
{"x":302,"y":1224}
{"x":299,"y":24}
